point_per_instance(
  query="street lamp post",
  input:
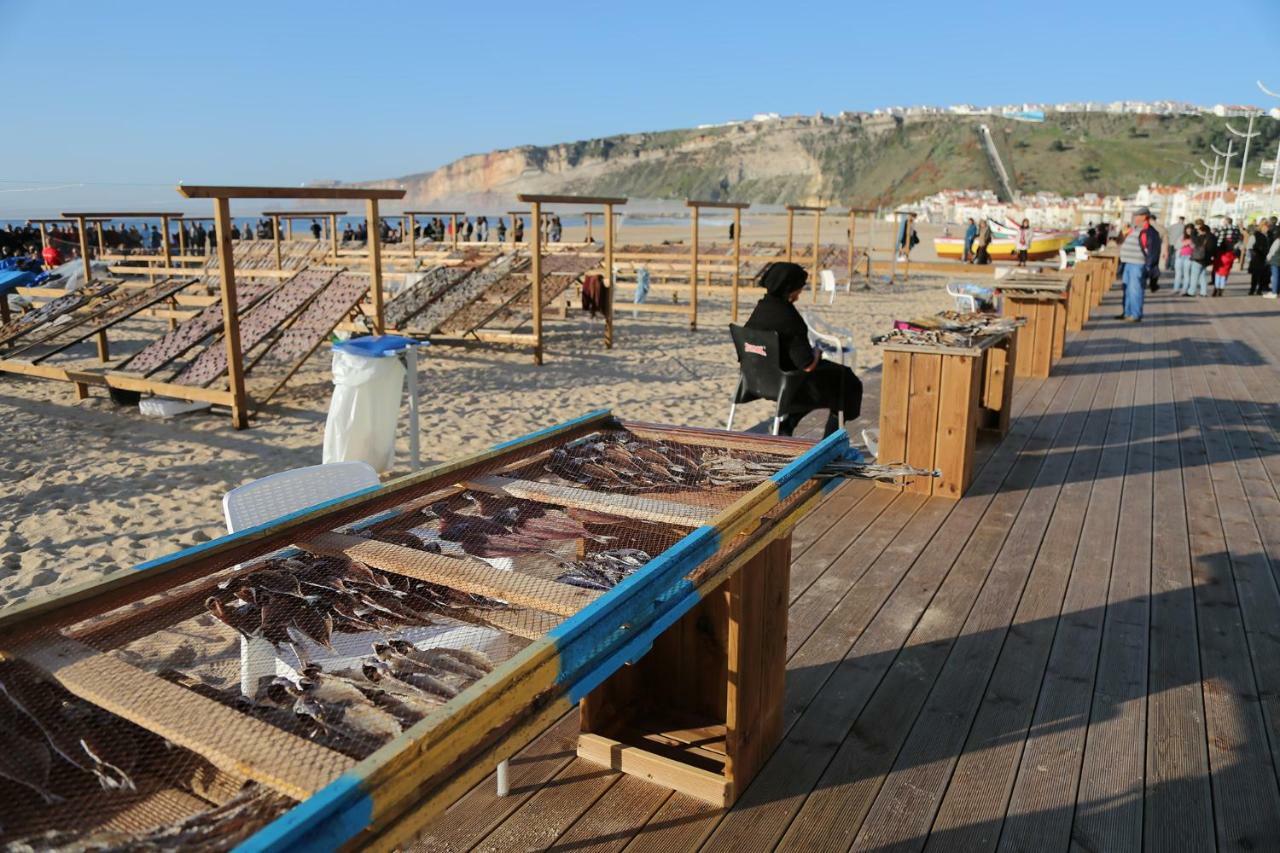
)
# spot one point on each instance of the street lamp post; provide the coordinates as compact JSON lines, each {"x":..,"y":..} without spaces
{"x":1248,"y":136}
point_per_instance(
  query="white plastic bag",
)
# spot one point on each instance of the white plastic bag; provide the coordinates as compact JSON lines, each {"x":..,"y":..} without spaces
{"x":364,"y":410}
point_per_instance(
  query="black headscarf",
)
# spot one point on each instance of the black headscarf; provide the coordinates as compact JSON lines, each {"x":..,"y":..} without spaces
{"x":781,"y":279}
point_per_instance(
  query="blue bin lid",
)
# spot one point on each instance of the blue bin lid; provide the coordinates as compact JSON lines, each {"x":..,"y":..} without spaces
{"x":376,"y":346}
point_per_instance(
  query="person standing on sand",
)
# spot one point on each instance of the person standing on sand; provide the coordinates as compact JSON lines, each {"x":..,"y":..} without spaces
{"x":1024,"y":241}
{"x":517,"y":234}
{"x":970,"y":234}
{"x":1139,"y":255}
{"x":315,"y":230}
{"x":907,"y":237}
{"x":502,"y":230}
{"x":731,"y":231}
{"x":983,"y":256}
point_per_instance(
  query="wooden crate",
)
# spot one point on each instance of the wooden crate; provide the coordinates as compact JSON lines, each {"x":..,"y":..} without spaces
{"x":1044,"y":335}
{"x":932,"y":404}
{"x":702,"y":711}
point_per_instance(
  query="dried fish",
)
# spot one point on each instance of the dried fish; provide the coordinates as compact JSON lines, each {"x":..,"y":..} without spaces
{"x":604,"y":569}
{"x":624,"y":464}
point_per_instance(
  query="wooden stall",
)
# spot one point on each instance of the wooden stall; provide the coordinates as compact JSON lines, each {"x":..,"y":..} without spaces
{"x":702,"y":618}
{"x":695,"y":209}
{"x":222,"y":195}
{"x":330,"y":218}
{"x":1043,"y":300}
{"x":935,"y":399}
{"x":1109,"y":258}
{"x":535,"y":202}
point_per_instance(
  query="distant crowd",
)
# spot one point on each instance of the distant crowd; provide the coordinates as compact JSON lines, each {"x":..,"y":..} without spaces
{"x":1201,"y":258}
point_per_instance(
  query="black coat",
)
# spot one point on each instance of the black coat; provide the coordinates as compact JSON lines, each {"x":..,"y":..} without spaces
{"x":829,"y":386}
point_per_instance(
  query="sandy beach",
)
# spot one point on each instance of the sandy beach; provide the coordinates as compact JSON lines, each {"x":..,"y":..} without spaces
{"x":89,"y":486}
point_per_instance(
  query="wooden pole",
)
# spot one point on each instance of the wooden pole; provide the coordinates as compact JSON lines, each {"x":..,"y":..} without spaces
{"x":513,"y":227}
{"x":535,"y":270}
{"x":182,"y":239}
{"x":590,"y":216}
{"x":102,"y":245}
{"x":412,"y":237}
{"x":817,"y":238}
{"x":375,"y":265}
{"x":82,"y":227}
{"x":288,"y":229}
{"x":608,"y":276}
{"x":275,"y":238}
{"x":44,"y":237}
{"x":791,"y":221}
{"x":693,"y":271}
{"x":164,"y":228}
{"x":230,"y":319}
{"x":737,"y":258}
{"x":853,"y":225}
{"x":333,"y":234}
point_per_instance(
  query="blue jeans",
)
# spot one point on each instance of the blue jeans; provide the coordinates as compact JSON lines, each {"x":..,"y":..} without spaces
{"x":1134,"y":290}
{"x":1182,"y":273}
{"x":1275,"y":280}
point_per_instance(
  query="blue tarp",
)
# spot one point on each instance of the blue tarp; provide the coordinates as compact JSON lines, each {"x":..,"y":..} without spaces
{"x":10,"y":280}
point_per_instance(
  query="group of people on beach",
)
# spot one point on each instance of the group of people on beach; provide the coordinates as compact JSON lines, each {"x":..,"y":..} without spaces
{"x":1202,"y":257}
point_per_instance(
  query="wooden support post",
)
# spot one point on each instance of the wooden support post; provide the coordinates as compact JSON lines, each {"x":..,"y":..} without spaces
{"x":84,"y":249}
{"x":182,"y":239}
{"x":737,"y":259}
{"x":514,"y":219}
{"x":589,"y":216}
{"x":275,"y":239}
{"x":333,"y":234}
{"x":853,"y":226}
{"x":409,"y":230}
{"x":375,"y":265}
{"x":288,"y":229}
{"x":44,"y":237}
{"x":791,"y":224}
{"x":102,"y":245}
{"x":164,"y":228}
{"x":693,"y":272}
{"x":535,"y":272}
{"x":817,"y":238}
{"x":230,"y":319}
{"x":608,"y":276}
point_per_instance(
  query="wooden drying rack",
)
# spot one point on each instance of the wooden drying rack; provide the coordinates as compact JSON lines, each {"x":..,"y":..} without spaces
{"x":581,"y":639}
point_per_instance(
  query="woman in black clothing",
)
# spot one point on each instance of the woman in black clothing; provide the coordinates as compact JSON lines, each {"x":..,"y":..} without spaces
{"x":776,"y":313}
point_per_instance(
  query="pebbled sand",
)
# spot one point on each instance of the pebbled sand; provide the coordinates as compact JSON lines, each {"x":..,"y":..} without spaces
{"x":87,"y":487}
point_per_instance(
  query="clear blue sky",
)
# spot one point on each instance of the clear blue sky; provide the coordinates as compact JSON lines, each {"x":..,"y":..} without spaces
{"x":142,"y":93}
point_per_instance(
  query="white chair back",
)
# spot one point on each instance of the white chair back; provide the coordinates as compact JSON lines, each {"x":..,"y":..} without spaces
{"x":286,"y":492}
{"x":1082,"y":254}
{"x":965,"y":302}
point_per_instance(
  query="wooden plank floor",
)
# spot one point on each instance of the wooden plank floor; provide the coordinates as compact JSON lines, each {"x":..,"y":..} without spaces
{"x":1084,"y":652}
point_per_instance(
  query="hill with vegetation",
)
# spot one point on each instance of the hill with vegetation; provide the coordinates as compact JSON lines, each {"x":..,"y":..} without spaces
{"x":856,"y":160}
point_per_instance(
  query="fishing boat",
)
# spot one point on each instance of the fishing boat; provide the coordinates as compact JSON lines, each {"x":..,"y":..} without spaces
{"x":1045,"y":244}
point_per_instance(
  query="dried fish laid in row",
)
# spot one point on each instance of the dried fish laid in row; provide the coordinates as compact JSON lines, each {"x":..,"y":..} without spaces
{"x":43,"y":727}
{"x":219,"y":828}
{"x":389,"y":691}
{"x":295,"y":598}
{"x":603,"y":569}
{"x":491,"y":526}
{"x":887,"y":473}
{"x":621,"y":464}
{"x":925,"y":337}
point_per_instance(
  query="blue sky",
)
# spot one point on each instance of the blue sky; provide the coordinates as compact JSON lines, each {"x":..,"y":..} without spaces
{"x":129,"y":98}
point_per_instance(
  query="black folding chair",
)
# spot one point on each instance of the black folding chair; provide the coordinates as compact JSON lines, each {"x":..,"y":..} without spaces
{"x":761,"y":377}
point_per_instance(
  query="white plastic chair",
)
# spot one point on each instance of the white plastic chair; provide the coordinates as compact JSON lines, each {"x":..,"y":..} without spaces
{"x":827,"y":282}
{"x":272,"y":497}
{"x":1082,"y":254}
{"x":1063,"y":262}
{"x":832,"y":339}
{"x":965,"y":302}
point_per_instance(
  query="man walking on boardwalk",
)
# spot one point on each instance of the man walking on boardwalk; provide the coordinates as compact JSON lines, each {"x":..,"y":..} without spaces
{"x":1140,"y":257}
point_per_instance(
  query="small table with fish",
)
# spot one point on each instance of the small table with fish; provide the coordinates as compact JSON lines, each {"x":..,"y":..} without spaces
{"x":423,"y":631}
{"x":935,"y":398}
{"x":1043,"y":300}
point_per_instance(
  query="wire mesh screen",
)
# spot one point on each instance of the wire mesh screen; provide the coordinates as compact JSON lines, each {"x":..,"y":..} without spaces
{"x":199,"y":711}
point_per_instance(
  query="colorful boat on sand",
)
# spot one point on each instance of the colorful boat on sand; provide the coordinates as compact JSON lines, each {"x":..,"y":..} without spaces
{"x":1004,"y":244}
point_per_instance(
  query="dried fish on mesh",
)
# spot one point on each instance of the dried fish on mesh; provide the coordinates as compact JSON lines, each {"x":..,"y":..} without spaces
{"x":293,"y":599}
{"x":604,"y":569}
{"x":621,"y":464}
{"x":33,"y":708}
{"x":887,"y":473}
{"x":220,"y":828}
{"x":925,"y":337}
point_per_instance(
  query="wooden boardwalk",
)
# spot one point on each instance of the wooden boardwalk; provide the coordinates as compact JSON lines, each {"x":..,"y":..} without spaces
{"x":1083,"y":652}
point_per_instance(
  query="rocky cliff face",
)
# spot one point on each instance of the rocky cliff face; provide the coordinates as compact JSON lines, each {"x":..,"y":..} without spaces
{"x":863,"y":161}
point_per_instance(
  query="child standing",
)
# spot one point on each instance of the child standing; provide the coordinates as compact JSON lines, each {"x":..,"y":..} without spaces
{"x":1222,"y":266}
